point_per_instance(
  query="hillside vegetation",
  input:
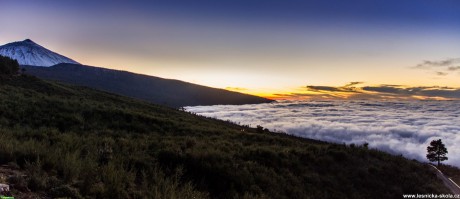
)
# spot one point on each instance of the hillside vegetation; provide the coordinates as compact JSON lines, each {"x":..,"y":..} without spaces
{"x":81,"y":143}
{"x":8,"y":66}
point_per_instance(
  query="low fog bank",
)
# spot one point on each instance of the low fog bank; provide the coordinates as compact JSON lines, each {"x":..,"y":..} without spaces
{"x":404,"y":128}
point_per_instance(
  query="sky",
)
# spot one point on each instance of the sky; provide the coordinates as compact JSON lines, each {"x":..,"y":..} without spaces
{"x":273,"y":48}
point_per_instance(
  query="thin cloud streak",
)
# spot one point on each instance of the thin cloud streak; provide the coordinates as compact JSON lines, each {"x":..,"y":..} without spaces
{"x":440,"y":63}
{"x":447,"y":65}
{"x":444,"y":92}
{"x":441,"y":73}
{"x":454,"y":68}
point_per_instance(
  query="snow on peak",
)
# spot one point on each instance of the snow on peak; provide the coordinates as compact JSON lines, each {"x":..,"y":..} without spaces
{"x":28,"y":52}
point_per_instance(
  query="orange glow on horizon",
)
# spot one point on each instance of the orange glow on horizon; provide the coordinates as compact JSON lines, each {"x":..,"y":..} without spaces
{"x":357,"y":93}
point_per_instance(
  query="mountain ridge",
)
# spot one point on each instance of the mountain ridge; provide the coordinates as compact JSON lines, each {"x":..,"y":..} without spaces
{"x":170,"y":92}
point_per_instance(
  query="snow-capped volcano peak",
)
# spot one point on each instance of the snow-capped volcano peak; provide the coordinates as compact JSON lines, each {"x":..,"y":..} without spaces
{"x":28,"y":52}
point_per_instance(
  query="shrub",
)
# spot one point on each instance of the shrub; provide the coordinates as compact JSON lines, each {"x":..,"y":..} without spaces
{"x":65,"y":191}
{"x":8,"y":66}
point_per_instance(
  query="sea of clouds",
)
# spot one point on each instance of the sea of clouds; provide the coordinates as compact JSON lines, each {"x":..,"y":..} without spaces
{"x":405,"y":127}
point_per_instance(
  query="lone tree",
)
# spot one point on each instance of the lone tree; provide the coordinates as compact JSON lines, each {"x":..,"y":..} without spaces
{"x":436,"y":151}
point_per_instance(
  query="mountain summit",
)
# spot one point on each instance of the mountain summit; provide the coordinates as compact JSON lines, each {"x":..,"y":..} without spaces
{"x":28,"y":52}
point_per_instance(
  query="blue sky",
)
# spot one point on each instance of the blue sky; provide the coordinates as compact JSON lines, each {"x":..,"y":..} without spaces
{"x":257,"y":46}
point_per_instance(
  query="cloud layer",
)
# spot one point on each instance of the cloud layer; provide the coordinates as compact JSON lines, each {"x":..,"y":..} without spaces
{"x":404,"y":127}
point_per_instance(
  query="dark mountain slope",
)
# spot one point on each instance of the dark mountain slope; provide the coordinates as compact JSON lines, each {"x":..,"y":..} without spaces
{"x":168,"y":92}
{"x":82,"y":143}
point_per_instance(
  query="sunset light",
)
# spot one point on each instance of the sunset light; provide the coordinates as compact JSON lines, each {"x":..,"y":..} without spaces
{"x":229,"y":99}
{"x":272,"y":49}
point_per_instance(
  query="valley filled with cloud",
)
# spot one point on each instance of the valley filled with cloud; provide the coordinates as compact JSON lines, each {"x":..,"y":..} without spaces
{"x":398,"y":127}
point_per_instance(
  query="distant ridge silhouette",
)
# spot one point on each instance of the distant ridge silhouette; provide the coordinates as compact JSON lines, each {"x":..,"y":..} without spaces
{"x":173,"y":93}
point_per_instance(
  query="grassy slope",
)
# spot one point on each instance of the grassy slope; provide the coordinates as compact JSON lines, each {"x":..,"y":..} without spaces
{"x":80,"y":142}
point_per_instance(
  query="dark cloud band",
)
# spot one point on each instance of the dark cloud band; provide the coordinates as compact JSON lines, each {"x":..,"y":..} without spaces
{"x":349,"y":91}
